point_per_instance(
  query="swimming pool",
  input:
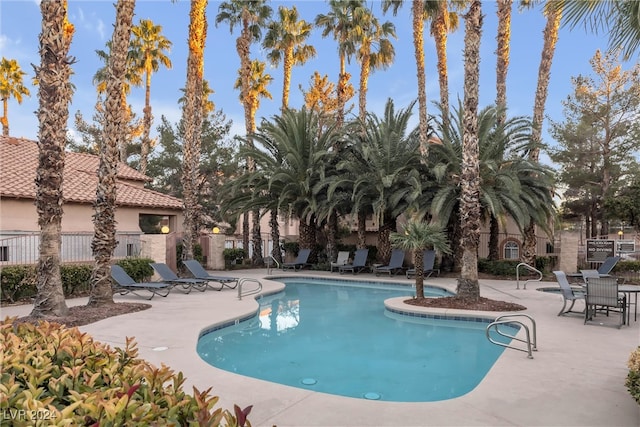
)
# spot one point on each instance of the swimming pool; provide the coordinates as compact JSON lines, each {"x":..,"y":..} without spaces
{"x":335,"y":336}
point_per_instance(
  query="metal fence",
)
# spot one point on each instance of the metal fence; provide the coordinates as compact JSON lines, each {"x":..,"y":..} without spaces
{"x":76,"y":247}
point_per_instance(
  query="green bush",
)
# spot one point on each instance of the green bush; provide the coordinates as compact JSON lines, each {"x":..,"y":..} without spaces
{"x":65,"y":376}
{"x":19,"y":282}
{"x":623,"y":266}
{"x":138,"y":268}
{"x":502,"y":267}
{"x":291,"y":248}
{"x":232,"y":254}
{"x":633,"y":378}
{"x":546,"y":264}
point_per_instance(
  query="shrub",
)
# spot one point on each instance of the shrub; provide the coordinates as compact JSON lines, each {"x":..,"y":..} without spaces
{"x":633,"y":378}
{"x":138,"y":268}
{"x":623,"y":266}
{"x":65,"y":376}
{"x":502,"y":267}
{"x":291,"y":248}
{"x":232,"y":254}
{"x":76,"y":279}
{"x":19,"y":281}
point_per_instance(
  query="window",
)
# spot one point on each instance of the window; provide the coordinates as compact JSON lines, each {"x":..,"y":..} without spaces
{"x":4,"y":253}
{"x":511,"y":250}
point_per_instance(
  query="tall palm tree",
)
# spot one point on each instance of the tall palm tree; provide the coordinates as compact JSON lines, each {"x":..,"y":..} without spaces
{"x":468,"y":286}
{"x":115,"y":128}
{"x":417,"y":237}
{"x":503,"y":55}
{"x":418,"y":17}
{"x":54,"y":92}
{"x":132,"y":78}
{"x":375,"y":50}
{"x":192,"y":117}
{"x":251,"y":16}
{"x":151,"y":49}
{"x":258,"y":82}
{"x":286,"y":39}
{"x":553,"y":12}
{"x":11,"y":86}
{"x":443,"y":21}
{"x":340,"y":22}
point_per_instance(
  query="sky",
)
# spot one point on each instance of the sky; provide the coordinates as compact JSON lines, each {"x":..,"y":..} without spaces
{"x":20,"y":27}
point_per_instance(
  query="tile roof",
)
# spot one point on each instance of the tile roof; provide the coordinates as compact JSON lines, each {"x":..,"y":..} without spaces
{"x":19,"y":161}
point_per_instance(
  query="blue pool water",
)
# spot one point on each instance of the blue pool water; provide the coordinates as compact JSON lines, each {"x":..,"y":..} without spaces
{"x":335,"y":337}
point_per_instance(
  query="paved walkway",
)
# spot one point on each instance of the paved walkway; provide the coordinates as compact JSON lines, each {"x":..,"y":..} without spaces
{"x":575,"y":379}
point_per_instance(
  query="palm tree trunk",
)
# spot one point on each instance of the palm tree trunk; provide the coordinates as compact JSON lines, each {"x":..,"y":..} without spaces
{"x":5,"y":117}
{"x":419,"y":266}
{"x":146,"y":142}
{"x":192,"y":116}
{"x":287,"y":65}
{"x":384,"y":244}
{"x":332,"y":231}
{"x":418,"y":44}
{"x":503,"y":55}
{"x":554,"y":15}
{"x":257,"y":258}
{"x":494,"y":235}
{"x":55,"y":94}
{"x":275,"y":235}
{"x":343,"y":81}
{"x":362,"y":230}
{"x":115,"y":128}
{"x":364,"y":78}
{"x":468,"y":286}
{"x":440,"y":35}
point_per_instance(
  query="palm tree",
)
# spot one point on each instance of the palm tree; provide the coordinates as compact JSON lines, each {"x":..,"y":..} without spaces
{"x":468,"y":286}
{"x":115,"y":128}
{"x":11,"y":86}
{"x":418,"y":18}
{"x":150,"y":48}
{"x":619,"y":19}
{"x":258,"y":82}
{"x":419,"y":236}
{"x":192,"y":117}
{"x":375,"y":50}
{"x":340,"y":22}
{"x":54,"y":92}
{"x":502,"y":54}
{"x":553,"y":12}
{"x":132,"y":78}
{"x":251,"y":16}
{"x":286,"y":40}
{"x":386,"y":169}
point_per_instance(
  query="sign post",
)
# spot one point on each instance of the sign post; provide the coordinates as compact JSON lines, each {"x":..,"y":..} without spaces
{"x":600,"y":249}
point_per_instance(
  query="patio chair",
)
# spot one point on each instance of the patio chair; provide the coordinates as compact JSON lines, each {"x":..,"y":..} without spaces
{"x":359,"y":263}
{"x":185,"y":284}
{"x":198,"y":272}
{"x":603,"y":294}
{"x":124,"y":284}
{"x":343,"y":259}
{"x":395,"y":263}
{"x":300,"y":262}
{"x":568,"y":293}
{"x":428,"y":261}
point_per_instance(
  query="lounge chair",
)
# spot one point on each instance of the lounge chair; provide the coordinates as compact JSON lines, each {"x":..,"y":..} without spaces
{"x":124,"y":284}
{"x":604,"y":270}
{"x":428,"y":262}
{"x":395,"y":263}
{"x":186,"y":284}
{"x":602,"y":294}
{"x":300,"y":262}
{"x":568,"y":293}
{"x":359,"y":262}
{"x":343,"y":259}
{"x":198,"y":272}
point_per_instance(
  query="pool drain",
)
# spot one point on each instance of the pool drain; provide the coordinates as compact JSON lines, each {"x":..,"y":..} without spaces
{"x":309,"y":381}
{"x":372,"y":395}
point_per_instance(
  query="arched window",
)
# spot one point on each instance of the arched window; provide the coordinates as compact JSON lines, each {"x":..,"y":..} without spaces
{"x":511,"y":250}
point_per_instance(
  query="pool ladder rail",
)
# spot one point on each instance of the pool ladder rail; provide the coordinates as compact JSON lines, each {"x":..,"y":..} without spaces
{"x":530,"y":268}
{"x":506,"y":319}
{"x":244,"y":280}
{"x":269,"y":261}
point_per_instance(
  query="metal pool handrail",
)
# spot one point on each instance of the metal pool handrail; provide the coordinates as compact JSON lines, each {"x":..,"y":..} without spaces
{"x":242,"y":281}
{"x":528,"y":267}
{"x":532,"y":345}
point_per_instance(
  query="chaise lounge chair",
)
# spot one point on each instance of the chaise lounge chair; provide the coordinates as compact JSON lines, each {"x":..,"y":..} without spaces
{"x":185,"y":284}
{"x":343,"y":258}
{"x":395,"y":263}
{"x":300,"y":262}
{"x":359,"y":262}
{"x":428,"y":262}
{"x":125,"y":284}
{"x":604,"y":270}
{"x":198,"y":272}
{"x":568,"y":293}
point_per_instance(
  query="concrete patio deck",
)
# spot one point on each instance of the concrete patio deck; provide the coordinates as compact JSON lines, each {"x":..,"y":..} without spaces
{"x":575,"y":379}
